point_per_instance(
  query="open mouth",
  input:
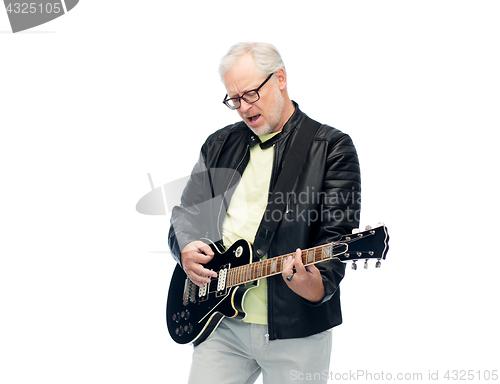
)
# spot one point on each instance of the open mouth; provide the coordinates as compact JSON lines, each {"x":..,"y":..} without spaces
{"x":253,"y":119}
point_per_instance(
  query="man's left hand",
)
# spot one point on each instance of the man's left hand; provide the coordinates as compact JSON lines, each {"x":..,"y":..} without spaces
{"x":306,"y":281}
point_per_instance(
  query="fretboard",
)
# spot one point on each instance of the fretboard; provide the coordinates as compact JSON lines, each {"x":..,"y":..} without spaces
{"x":274,"y":266}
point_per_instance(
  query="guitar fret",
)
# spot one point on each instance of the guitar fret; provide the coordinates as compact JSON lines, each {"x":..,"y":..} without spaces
{"x":325,"y":254}
{"x":310,"y":256}
{"x":240,"y":277}
{"x":319,"y":254}
{"x":274,"y":264}
{"x":281,"y":262}
{"x":246,"y":274}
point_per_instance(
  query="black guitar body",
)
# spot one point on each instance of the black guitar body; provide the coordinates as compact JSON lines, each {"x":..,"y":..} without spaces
{"x":193,"y":313}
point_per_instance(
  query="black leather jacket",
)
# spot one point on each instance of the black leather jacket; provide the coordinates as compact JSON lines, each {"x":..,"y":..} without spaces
{"x":324,"y":205}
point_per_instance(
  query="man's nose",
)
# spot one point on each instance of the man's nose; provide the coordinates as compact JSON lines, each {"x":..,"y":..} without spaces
{"x":244,"y":107}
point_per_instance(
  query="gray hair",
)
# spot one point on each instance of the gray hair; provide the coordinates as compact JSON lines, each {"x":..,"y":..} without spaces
{"x":266,"y":56}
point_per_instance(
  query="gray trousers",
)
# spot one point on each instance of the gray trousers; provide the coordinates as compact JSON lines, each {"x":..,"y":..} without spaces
{"x":237,"y":353}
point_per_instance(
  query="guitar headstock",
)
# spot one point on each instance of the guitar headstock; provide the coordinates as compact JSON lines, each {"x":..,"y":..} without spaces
{"x":372,"y":243}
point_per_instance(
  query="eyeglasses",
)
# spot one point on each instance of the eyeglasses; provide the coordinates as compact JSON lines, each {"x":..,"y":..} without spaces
{"x":250,"y":97}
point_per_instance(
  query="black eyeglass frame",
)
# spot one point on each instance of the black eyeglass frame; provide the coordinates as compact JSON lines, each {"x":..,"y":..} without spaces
{"x":226,"y":100}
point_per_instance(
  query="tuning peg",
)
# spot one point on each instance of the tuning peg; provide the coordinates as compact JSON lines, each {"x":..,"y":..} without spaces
{"x":366,"y":264}
{"x":378,"y":264}
{"x":368,"y":227}
{"x":355,"y":230}
{"x":354,"y":266}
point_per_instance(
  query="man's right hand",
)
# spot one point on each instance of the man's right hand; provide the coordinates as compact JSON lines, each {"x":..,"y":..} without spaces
{"x":193,"y":256}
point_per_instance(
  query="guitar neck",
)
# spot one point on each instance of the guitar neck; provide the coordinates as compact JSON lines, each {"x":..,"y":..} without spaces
{"x":274,"y":266}
{"x":370,"y":244}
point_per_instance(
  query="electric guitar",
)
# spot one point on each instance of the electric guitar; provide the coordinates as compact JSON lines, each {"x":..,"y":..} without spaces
{"x":193,"y":313}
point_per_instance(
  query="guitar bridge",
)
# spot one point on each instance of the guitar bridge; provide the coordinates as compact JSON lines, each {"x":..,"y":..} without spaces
{"x":189,"y":295}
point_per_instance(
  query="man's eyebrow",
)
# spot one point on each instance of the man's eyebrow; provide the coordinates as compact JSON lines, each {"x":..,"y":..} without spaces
{"x":237,"y":95}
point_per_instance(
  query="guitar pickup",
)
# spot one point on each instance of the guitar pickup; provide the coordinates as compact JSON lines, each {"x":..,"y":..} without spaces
{"x":221,"y":280}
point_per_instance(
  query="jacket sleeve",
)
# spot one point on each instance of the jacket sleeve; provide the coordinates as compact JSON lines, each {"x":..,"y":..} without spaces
{"x":185,"y":222}
{"x":207,"y":191}
{"x":341,"y":204}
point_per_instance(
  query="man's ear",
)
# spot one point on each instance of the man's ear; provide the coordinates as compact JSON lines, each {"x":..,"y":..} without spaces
{"x":281,"y":76}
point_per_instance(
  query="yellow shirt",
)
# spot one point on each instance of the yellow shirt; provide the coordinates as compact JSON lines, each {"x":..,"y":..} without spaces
{"x":244,"y":215}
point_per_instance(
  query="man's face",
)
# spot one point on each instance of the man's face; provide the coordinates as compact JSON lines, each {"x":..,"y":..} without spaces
{"x":265,"y":115}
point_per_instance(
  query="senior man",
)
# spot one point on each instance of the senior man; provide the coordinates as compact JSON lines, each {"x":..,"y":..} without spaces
{"x":286,"y":334}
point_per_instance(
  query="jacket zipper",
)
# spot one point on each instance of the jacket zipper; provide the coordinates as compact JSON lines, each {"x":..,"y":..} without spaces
{"x":269,"y":298}
{"x":267,"y":325}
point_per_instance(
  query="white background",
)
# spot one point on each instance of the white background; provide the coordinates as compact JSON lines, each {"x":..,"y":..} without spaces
{"x":93,"y":101}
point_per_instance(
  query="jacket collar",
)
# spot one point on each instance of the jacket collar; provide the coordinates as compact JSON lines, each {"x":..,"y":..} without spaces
{"x":292,"y":122}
